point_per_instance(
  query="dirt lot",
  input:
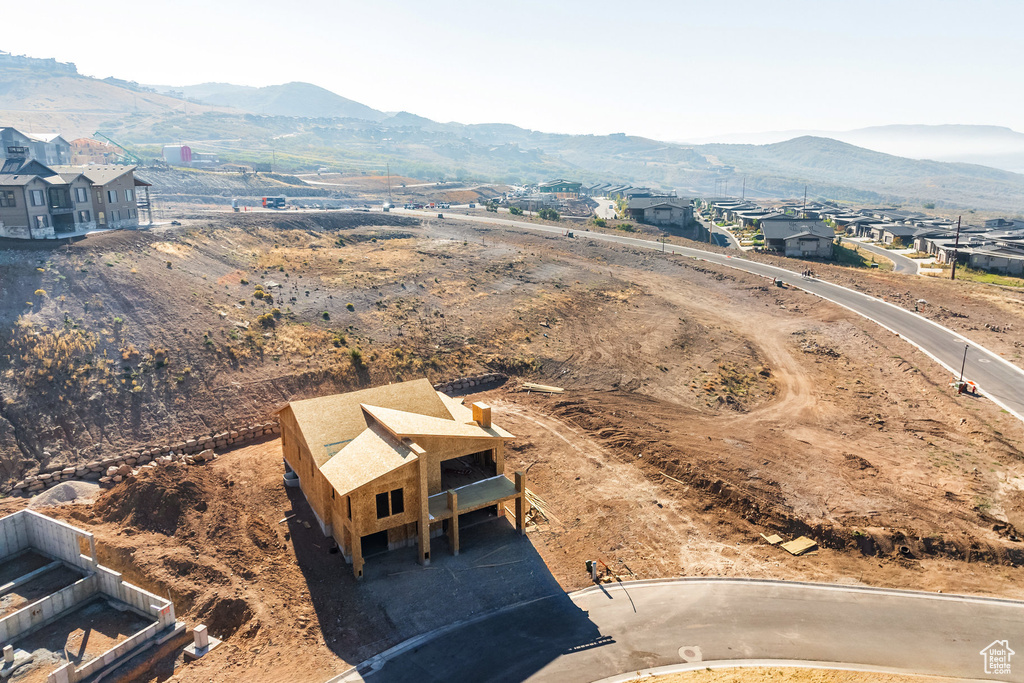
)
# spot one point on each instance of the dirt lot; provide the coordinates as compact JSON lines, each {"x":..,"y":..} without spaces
{"x":702,"y":408}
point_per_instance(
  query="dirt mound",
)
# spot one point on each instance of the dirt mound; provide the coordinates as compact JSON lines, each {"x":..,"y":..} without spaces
{"x":155,"y":500}
{"x":225,"y":615}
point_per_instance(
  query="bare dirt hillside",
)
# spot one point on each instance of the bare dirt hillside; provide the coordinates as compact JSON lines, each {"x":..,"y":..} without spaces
{"x":702,"y":408}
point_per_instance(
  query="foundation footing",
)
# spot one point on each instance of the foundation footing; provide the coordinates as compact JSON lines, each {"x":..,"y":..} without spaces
{"x":20,"y":659}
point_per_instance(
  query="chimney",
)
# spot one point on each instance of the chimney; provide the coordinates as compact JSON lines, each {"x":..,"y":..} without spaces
{"x":482,"y":414}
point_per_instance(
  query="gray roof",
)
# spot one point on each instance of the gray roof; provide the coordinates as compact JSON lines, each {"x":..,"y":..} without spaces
{"x":651,"y":202}
{"x":97,"y":175}
{"x":782,"y":229}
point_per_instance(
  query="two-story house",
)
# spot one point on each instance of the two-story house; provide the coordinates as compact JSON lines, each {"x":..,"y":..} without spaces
{"x":396,"y":465}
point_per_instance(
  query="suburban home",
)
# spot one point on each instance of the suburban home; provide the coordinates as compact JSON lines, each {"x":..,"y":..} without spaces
{"x":46,"y":148}
{"x":563,"y":189}
{"x":888,"y":233}
{"x":114,"y":190}
{"x":396,"y":465}
{"x":665,"y":211}
{"x":42,"y":202}
{"x":797,"y":237}
{"x":997,"y":258}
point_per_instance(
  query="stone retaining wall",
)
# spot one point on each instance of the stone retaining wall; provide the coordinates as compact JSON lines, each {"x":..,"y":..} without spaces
{"x":110,"y":470}
{"x":464,"y":383}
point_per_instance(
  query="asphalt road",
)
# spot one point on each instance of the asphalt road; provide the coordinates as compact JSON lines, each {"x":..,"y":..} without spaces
{"x":995,"y":377}
{"x":901,"y":264}
{"x":601,"y":632}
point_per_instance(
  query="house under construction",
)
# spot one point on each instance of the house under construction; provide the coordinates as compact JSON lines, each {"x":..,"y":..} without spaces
{"x":396,"y":465}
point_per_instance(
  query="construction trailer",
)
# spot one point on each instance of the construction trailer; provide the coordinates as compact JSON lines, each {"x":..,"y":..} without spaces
{"x":396,"y":465}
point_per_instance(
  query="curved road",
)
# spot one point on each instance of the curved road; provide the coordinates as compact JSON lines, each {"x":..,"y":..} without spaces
{"x":1000,"y":380}
{"x":621,"y":628}
{"x":901,"y":264}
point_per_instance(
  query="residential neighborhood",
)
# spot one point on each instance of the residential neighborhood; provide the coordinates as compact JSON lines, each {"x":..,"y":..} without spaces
{"x":40,"y":200}
{"x":802,"y":230}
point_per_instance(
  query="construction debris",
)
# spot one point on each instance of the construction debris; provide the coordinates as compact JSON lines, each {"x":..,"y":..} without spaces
{"x":800,"y":546}
{"x":542,"y":388}
{"x":774,"y":539}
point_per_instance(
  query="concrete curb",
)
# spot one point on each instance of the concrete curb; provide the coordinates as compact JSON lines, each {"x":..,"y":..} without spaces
{"x":776,"y":663}
{"x":838,"y":587}
{"x":355,"y":674}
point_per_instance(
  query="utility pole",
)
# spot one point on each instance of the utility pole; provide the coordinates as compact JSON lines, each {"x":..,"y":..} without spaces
{"x":803,"y":212}
{"x":964,"y":364}
{"x":743,"y":196}
{"x":956,"y":246}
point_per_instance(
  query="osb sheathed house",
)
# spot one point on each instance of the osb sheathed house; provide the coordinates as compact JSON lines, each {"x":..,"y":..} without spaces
{"x":396,"y":465}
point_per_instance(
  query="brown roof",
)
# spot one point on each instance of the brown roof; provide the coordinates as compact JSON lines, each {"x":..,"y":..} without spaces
{"x":328,"y":423}
{"x":406,"y":425}
{"x":370,"y":455}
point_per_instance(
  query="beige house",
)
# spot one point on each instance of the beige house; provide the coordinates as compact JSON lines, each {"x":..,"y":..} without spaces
{"x":396,"y":465}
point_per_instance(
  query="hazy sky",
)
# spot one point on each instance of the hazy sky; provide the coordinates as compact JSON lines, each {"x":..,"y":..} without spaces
{"x":670,"y":70}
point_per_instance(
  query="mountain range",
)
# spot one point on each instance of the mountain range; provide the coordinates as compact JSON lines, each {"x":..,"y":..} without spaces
{"x":301,"y":127}
{"x":995,"y":146}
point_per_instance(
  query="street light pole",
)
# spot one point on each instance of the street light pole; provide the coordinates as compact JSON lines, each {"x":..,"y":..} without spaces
{"x":964,"y":364}
{"x":956,"y":247}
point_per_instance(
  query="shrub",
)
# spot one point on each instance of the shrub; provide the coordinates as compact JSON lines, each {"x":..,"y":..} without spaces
{"x":350,"y":307}
{"x":357,"y":357}
{"x":549,"y":215}
{"x":515,"y":211}
{"x":325,"y":315}
{"x":600,"y":222}
{"x":40,"y":292}
{"x":259,"y":294}
{"x":168,"y":264}
{"x":276,"y":312}
{"x":266,"y":320}
{"x":244,"y":281}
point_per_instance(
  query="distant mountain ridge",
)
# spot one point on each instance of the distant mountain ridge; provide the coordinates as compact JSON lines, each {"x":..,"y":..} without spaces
{"x":996,"y":146}
{"x":288,"y":99}
{"x":304,"y":127}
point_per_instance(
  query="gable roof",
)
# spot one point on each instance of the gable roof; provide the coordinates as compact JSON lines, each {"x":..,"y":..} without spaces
{"x":328,"y":423}
{"x":782,"y":229}
{"x":26,"y":167}
{"x":370,"y":455}
{"x":406,"y":425}
{"x":97,"y":175}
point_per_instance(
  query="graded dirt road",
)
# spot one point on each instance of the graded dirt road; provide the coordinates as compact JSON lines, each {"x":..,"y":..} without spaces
{"x":1000,"y":380}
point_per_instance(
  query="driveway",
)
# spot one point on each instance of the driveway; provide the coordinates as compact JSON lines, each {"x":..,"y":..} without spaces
{"x":602,"y":210}
{"x":621,"y":628}
{"x":901,"y":264}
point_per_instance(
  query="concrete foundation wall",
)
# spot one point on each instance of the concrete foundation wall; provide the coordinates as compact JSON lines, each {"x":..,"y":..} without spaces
{"x":59,"y":540}
{"x":48,"y":609}
{"x":27,"y":529}
{"x":69,"y":673}
{"x":13,"y":536}
{"x":160,"y":609}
